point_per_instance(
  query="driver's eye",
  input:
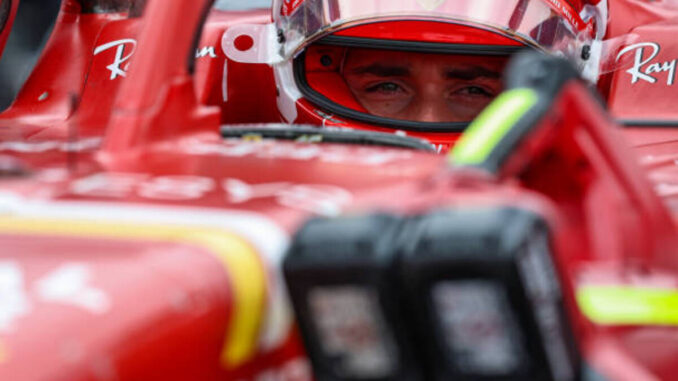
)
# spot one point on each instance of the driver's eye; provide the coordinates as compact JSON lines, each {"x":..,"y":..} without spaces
{"x":475,"y":91}
{"x":384,"y":87}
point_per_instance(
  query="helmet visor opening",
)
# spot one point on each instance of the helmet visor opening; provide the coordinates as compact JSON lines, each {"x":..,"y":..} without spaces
{"x":426,"y":87}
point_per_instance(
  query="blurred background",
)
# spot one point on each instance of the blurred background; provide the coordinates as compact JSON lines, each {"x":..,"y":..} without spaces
{"x":32,"y":28}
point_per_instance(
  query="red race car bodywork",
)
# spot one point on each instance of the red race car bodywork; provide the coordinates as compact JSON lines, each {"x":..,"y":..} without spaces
{"x":137,"y":243}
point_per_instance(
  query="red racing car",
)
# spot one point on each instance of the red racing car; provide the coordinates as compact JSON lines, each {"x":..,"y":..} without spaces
{"x":142,"y":239}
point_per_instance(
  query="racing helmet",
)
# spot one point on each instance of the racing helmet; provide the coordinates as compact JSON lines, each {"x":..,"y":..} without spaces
{"x":422,"y":68}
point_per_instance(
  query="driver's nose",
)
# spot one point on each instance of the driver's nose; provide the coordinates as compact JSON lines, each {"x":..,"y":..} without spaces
{"x":430,"y":109}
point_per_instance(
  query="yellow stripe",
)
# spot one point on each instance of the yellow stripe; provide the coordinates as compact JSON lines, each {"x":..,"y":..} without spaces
{"x":628,"y":305}
{"x":246,"y":273}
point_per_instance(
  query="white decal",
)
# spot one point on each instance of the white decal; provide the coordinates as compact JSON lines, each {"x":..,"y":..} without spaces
{"x":113,"y":185}
{"x":121,"y":56}
{"x":322,"y":199}
{"x":312,"y":152}
{"x":317,"y":198}
{"x":665,"y":190}
{"x":239,"y":191}
{"x":207,"y":51}
{"x":14,"y":302}
{"x":121,"y":185}
{"x":39,"y":147}
{"x":68,"y":285}
{"x":643,"y":67}
{"x":176,"y":188}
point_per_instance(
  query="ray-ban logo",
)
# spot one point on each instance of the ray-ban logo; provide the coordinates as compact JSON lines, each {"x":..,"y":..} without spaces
{"x":124,"y":50}
{"x":645,"y":68}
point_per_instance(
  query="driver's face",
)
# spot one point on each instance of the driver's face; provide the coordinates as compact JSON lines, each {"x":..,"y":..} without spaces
{"x":422,"y":87}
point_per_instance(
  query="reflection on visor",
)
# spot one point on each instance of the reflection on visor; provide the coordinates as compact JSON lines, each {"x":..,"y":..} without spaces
{"x":406,"y":86}
{"x":549,"y":24}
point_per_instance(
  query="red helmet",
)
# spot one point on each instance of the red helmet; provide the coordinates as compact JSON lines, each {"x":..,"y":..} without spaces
{"x":424,"y":68}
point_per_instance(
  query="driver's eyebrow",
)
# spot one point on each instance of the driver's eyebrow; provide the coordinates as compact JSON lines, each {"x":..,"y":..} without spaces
{"x":471,"y":73}
{"x":382,"y":70}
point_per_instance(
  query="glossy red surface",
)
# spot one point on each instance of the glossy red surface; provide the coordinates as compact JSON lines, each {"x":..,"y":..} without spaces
{"x":121,"y":192}
{"x":426,"y":31}
{"x":643,"y":86}
{"x":148,"y":154}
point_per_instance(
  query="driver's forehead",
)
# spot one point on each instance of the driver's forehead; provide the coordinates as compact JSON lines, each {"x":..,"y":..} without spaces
{"x":356,"y":58}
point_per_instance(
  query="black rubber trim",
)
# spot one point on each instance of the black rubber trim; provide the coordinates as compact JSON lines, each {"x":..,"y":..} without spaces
{"x":328,"y":105}
{"x":5,"y":10}
{"x":648,"y":123}
{"x":547,"y":76}
{"x":326,"y":135}
{"x":420,"y":47}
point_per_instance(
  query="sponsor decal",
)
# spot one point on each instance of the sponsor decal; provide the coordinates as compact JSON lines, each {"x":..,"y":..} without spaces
{"x":52,"y":145}
{"x":205,"y":51}
{"x":121,"y":185}
{"x":320,"y":199}
{"x":645,"y":67}
{"x":65,"y":285}
{"x":124,"y":50}
{"x":69,"y":285}
{"x":290,"y":6}
{"x":570,"y":14}
{"x":15,"y":303}
{"x":367,"y":156}
{"x":665,"y":190}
